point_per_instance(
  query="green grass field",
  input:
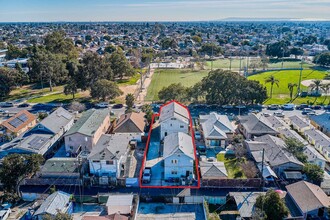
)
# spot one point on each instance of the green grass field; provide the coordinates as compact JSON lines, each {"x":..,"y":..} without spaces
{"x":59,"y":97}
{"x":165,"y":77}
{"x":233,"y":167}
{"x":235,"y":64}
{"x":281,"y":93}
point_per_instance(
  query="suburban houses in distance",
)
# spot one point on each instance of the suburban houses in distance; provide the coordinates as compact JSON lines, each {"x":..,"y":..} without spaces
{"x":218,"y":119}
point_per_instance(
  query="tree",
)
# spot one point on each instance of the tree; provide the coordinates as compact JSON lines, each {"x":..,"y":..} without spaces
{"x":119,"y":64}
{"x":168,"y":43}
{"x":197,"y":39}
{"x":9,"y":78}
{"x":272,"y":80}
{"x":105,"y":89}
{"x":77,"y":106}
{"x":296,"y":148}
{"x":291,"y":87}
{"x":110,"y":49}
{"x":211,"y":49}
{"x":17,"y":166}
{"x":91,"y":69}
{"x":57,"y":43}
{"x":322,"y":59}
{"x":314,"y":173}
{"x":58,"y":216}
{"x":296,"y":51}
{"x":278,"y":49}
{"x":147,"y":109}
{"x":129,"y":100}
{"x":310,"y":39}
{"x":316,"y":85}
{"x":272,"y":205}
{"x":175,"y":91}
{"x":326,"y":89}
{"x":15,"y":52}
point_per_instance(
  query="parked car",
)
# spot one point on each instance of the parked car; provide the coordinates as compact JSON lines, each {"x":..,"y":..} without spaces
{"x":3,"y":111}
{"x":302,"y":106}
{"x":308,"y":111}
{"x":279,"y":114}
{"x":102,"y":105}
{"x":146,"y":177}
{"x":266,"y":114}
{"x":23,"y":105}
{"x":5,"y":211}
{"x":7,"y":104}
{"x":201,"y":150}
{"x":326,"y":107}
{"x":198,"y":135}
{"x":118,"y":106}
{"x":316,"y":107}
{"x":273,"y":107}
{"x":289,"y":106}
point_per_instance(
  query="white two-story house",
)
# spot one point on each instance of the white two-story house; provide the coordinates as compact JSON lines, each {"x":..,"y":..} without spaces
{"x":173,"y":118}
{"x":178,"y":156}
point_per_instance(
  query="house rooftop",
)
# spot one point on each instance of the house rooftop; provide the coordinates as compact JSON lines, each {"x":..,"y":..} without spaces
{"x":319,"y":137}
{"x":323,"y":120}
{"x":298,"y":121}
{"x":61,"y":165}
{"x":308,"y":196}
{"x":110,"y":146}
{"x":213,"y":170}
{"x":19,"y":121}
{"x":57,"y":120}
{"x":89,"y":122}
{"x":174,"y":110}
{"x":178,"y":141}
{"x":130,"y":123}
{"x":245,"y":202}
{"x":54,"y":203}
{"x":257,"y":124}
{"x":215,"y":126}
{"x":120,"y":200}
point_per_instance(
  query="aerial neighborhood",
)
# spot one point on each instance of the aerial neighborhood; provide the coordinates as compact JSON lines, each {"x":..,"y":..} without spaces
{"x":165,"y":120}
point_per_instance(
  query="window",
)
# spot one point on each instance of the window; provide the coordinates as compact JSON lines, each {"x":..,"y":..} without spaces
{"x":109,"y":162}
{"x":70,"y":139}
{"x":174,"y":161}
{"x":171,"y":125}
{"x":174,"y":172}
{"x":181,"y":126}
{"x":96,"y":161}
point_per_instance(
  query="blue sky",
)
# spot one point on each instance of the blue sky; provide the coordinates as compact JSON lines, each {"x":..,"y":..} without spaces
{"x":159,"y":10}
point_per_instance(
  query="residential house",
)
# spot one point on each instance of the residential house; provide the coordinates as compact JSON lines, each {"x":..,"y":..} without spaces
{"x":120,"y":203}
{"x":310,"y":199}
{"x":213,"y":170}
{"x":217,"y":130}
{"x":132,"y":123}
{"x":86,"y":132}
{"x":245,"y":202}
{"x":321,"y":122}
{"x":299,"y":124}
{"x":58,"y":171}
{"x":173,"y":118}
{"x":43,"y":138}
{"x":108,"y":157}
{"x":275,"y":154}
{"x":255,"y":125}
{"x":320,"y":141}
{"x":58,"y":202}
{"x":313,"y":156}
{"x":18,"y":124}
{"x":178,"y":155}
{"x":289,"y":133}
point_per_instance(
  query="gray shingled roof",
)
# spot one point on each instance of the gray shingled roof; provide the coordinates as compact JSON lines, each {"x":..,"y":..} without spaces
{"x":257,"y":124}
{"x":319,"y":138}
{"x":275,"y":150}
{"x":173,"y":109}
{"x":213,"y":170}
{"x":110,"y":146}
{"x":298,"y":121}
{"x":57,"y":120}
{"x":178,"y":141}
{"x":312,"y":153}
{"x":215,"y":126}
{"x":56,"y":201}
{"x":245,"y":202}
{"x":289,"y":133}
{"x":89,"y":122}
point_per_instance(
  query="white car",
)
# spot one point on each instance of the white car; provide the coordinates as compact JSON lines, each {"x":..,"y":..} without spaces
{"x":102,"y":105}
{"x":289,"y":106}
{"x":279,"y":114}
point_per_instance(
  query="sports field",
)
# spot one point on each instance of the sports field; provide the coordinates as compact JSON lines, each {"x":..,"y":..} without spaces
{"x":165,"y":77}
{"x":281,"y":93}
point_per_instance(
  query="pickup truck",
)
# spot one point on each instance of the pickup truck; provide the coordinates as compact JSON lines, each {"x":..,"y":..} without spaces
{"x":146,"y":177}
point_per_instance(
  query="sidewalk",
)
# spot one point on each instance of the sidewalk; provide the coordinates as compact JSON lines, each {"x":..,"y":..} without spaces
{"x":146,"y":84}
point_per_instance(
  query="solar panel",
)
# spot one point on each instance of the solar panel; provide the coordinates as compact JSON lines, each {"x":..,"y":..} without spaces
{"x":23,"y":117}
{"x":15,"y":122}
{"x":37,"y":142}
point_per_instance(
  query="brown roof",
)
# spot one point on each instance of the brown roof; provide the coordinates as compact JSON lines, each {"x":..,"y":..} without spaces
{"x":308,"y":196}
{"x":9,"y":122}
{"x":130,"y":123}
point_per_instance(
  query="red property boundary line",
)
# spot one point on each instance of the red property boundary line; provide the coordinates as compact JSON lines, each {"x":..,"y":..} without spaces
{"x":147,"y":148}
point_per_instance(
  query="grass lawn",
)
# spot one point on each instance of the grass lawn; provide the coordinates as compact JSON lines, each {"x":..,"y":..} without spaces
{"x":165,"y":77}
{"x":30,"y":90}
{"x":235,"y":63}
{"x":59,"y":97}
{"x":130,"y":81}
{"x":233,"y":167}
{"x":281,"y":93}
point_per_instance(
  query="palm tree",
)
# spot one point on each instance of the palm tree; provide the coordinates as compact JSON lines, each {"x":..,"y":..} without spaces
{"x":291,"y":87}
{"x":272,"y":80}
{"x":316,"y":85}
{"x":325,"y":88}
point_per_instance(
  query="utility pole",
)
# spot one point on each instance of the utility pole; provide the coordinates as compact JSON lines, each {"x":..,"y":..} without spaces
{"x":212,"y":58}
{"x":282,"y":56}
{"x":301,"y":69}
{"x":230,"y":62}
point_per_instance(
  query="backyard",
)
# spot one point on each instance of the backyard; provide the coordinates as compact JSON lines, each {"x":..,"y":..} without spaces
{"x":165,"y":77}
{"x":233,"y":166}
